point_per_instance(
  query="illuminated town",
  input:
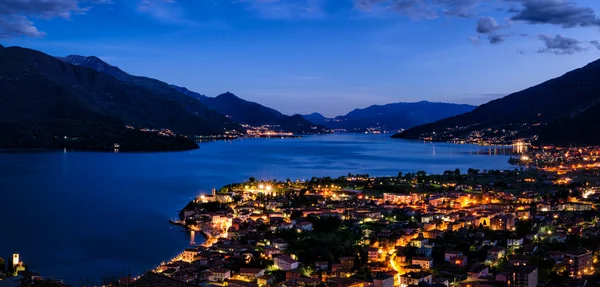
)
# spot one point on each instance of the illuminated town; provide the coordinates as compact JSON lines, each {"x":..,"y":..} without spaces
{"x":524,"y":227}
{"x":535,"y":225}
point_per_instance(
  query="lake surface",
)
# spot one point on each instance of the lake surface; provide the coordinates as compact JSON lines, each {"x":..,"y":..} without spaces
{"x":82,"y":215}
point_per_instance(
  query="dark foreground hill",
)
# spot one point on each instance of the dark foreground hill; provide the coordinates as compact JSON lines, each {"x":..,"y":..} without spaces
{"x":562,"y":111}
{"x":47,"y":103}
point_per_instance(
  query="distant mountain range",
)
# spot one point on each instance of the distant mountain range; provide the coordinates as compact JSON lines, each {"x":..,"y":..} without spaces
{"x":562,"y":111}
{"x":390,"y":117}
{"x":254,"y":114}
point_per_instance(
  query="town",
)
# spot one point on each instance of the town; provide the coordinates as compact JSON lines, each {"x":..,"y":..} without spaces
{"x":523,"y":227}
{"x":534,"y":225}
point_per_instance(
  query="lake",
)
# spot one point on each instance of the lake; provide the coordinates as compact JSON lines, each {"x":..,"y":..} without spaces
{"x":81,"y":215}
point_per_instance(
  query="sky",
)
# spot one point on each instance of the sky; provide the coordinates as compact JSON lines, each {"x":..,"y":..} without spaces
{"x":327,"y":56}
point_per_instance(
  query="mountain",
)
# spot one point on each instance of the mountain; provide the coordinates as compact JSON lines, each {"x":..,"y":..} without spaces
{"x":317,"y":118}
{"x":162,"y":89}
{"x":254,"y":114}
{"x":237,"y":109}
{"x":560,"y":111}
{"x":52,"y":104}
{"x":392,"y":117}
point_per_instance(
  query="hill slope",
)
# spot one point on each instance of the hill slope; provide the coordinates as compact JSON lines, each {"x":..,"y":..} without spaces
{"x":555,"y":111}
{"x":255,"y":114}
{"x":239,"y":110}
{"x":393,"y":117}
{"x":215,"y":123}
{"x":48,"y":103}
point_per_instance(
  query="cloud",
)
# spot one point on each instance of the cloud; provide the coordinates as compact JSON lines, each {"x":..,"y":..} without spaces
{"x":556,"y":12}
{"x":15,"y":14}
{"x":595,"y":44}
{"x":421,"y":9}
{"x":475,"y":39}
{"x":496,"y":39}
{"x":15,"y":26}
{"x":166,"y":11}
{"x":458,"y":8}
{"x":560,"y":45}
{"x":486,"y":25}
{"x":284,"y":9}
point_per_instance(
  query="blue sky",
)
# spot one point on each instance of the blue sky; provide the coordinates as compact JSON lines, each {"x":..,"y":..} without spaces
{"x":329,"y":56}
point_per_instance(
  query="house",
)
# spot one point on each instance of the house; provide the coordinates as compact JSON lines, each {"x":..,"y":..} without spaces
{"x":419,"y":242}
{"x":523,"y":276}
{"x":424,"y":262}
{"x":517,"y":260}
{"x":496,"y":253}
{"x":265,"y":280}
{"x":383,"y":280}
{"x":414,"y":278}
{"x":459,"y":261}
{"x":304,"y":226}
{"x":220,"y":274}
{"x":189,"y":254}
{"x":477,"y":271}
{"x":251,"y":273}
{"x":373,"y":254}
{"x":321,"y":265}
{"x":280,"y":244}
{"x":285,"y":262}
{"x":449,"y":255}
{"x":347,"y":262}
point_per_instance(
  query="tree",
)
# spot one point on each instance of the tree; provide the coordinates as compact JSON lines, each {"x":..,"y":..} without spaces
{"x":457,"y":172}
{"x":252,"y":179}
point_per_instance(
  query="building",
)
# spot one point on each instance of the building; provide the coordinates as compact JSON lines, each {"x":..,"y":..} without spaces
{"x":347,"y":262}
{"x":460,"y":261}
{"x":503,"y":222}
{"x":579,"y":262}
{"x":383,"y":280}
{"x":400,"y":198}
{"x":414,"y":278}
{"x":251,"y":273}
{"x":304,"y":226}
{"x":189,"y":254}
{"x":424,"y":262}
{"x":524,"y":276}
{"x":220,"y":274}
{"x":285,"y":262}
{"x":449,"y":255}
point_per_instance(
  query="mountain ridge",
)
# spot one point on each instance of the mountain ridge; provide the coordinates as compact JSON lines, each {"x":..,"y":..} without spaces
{"x":392,"y":116}
{"x":528,"y":114}
{"x":58,"y":104}
{"x":227,"y":104}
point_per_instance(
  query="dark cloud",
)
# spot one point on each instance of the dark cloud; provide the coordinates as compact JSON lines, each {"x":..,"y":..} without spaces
{"x":496,"y":39}
{"x":556,"y":12}
{"x":596,"y":44}
{"x":486,"y":25}
{"x":560,"y":45}
{"x":15,"y":14}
